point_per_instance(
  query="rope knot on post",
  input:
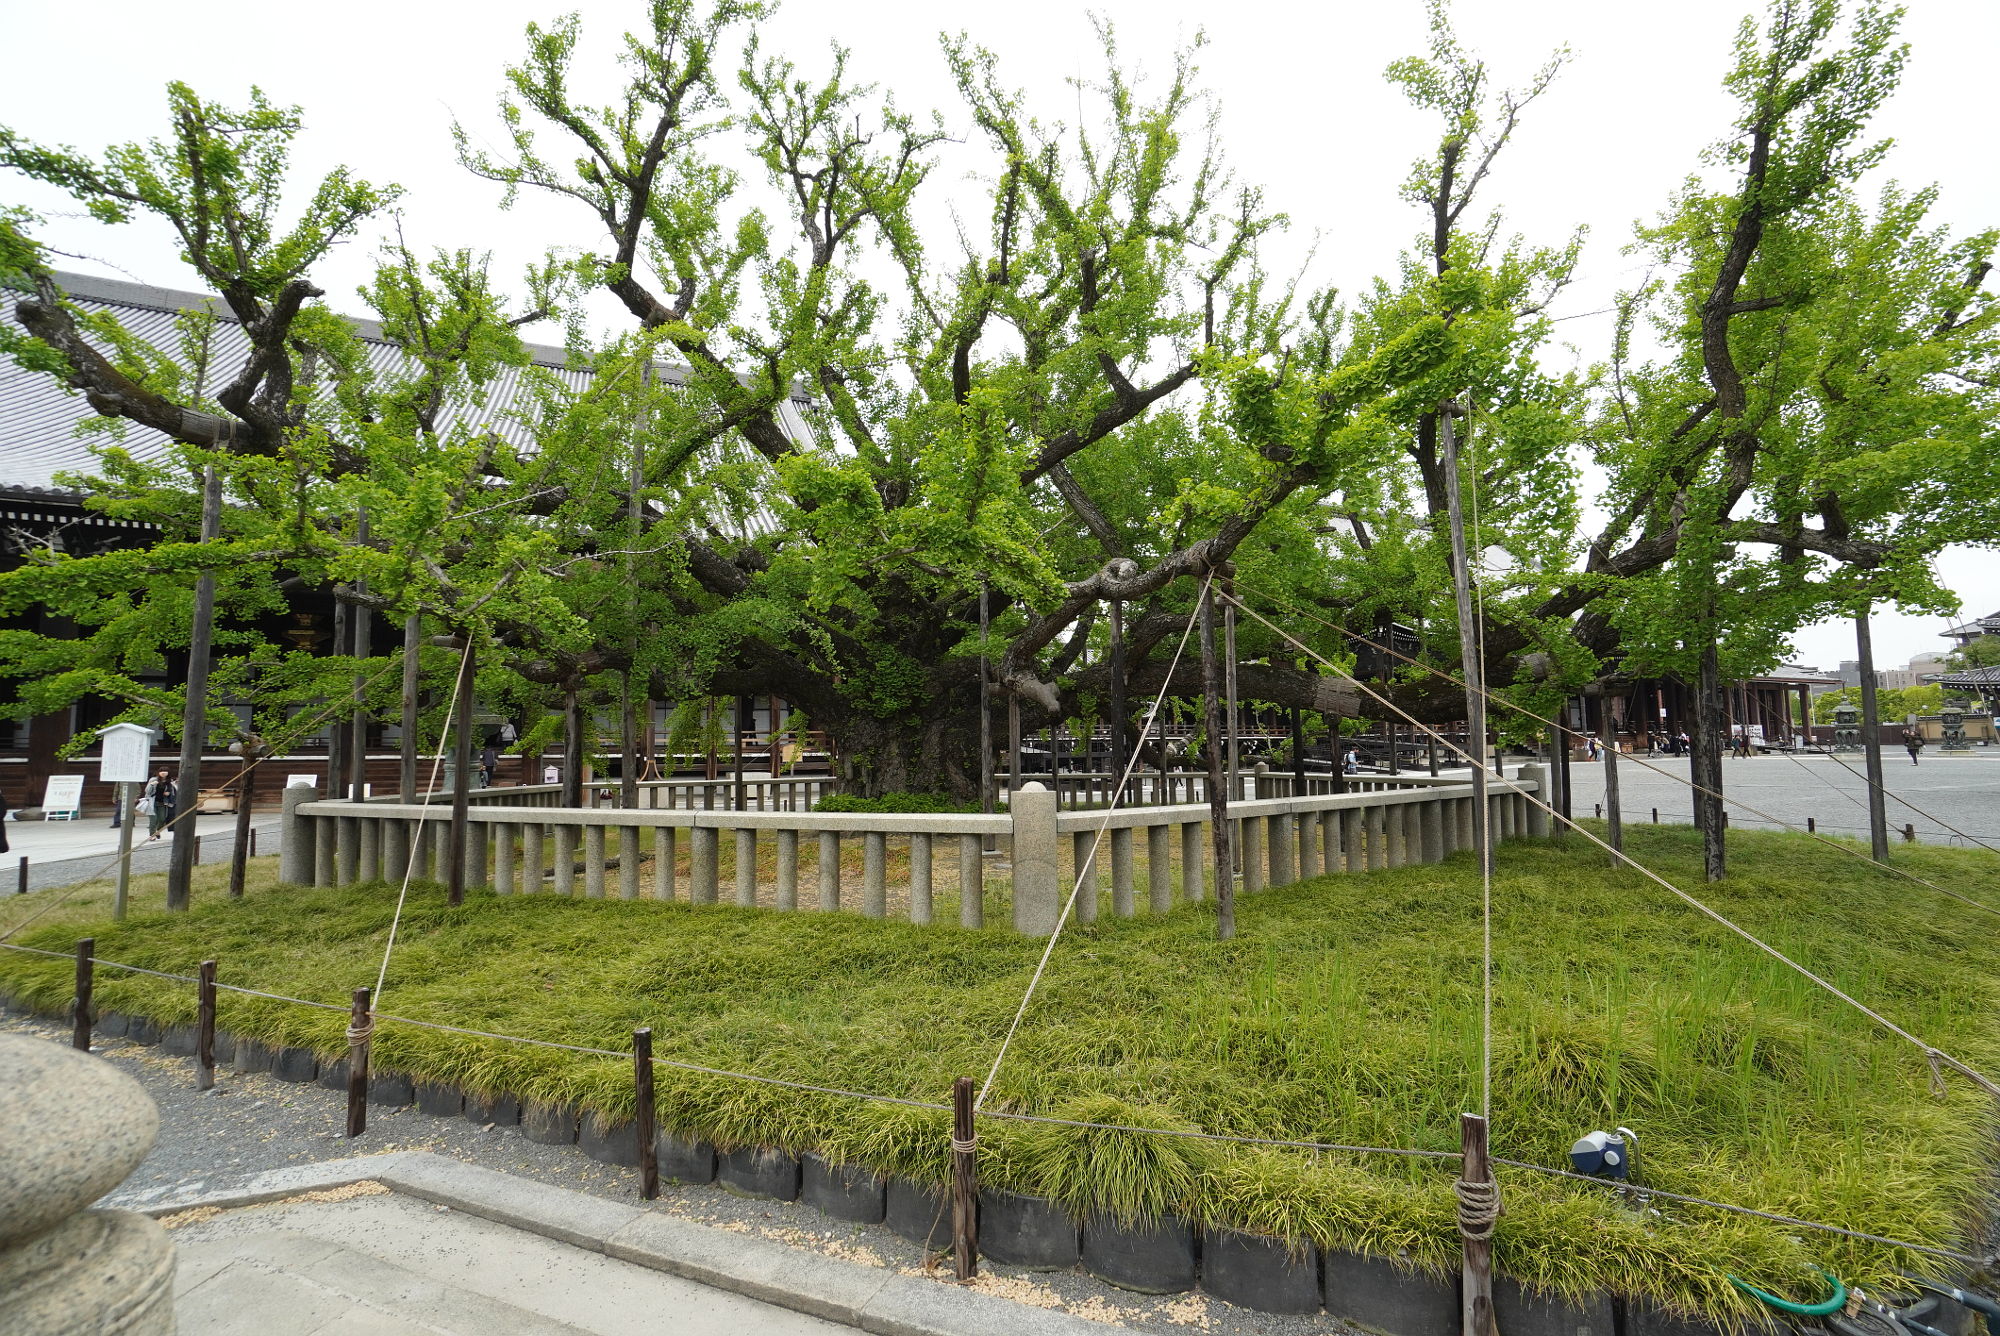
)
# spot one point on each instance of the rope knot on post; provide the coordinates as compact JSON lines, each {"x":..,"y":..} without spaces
{"x":968,"y":1146}
{"x":362,"y":1033}
{"x":1479,"y":1208}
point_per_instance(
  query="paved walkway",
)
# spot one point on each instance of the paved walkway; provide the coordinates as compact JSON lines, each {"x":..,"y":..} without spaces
{"x":1956,"y":791}
{"x":388,"y":1265}
{"x":63,"y":853}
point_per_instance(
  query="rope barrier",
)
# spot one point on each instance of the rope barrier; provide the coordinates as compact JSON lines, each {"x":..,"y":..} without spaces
{"x":1008,"y":1116}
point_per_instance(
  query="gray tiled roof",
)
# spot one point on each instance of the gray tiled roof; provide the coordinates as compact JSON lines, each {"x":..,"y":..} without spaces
{"x":1987,"y":625}
{"x":39,"y":417}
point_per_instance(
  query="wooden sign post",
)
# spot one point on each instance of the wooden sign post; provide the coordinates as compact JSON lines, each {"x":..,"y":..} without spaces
{"x":126,"y":756}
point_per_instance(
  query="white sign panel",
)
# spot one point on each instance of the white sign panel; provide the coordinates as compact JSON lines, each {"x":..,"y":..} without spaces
{"x":63,"y":799}
{"x":310,"y":781}
{"x":128,"y":754}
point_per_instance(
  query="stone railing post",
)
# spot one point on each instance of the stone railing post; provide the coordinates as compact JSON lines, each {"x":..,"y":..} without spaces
{"x":1538,"y":820}
{"x":1038,"y":894}
{"x":295,"y":837}
{"x":76,"y":1126}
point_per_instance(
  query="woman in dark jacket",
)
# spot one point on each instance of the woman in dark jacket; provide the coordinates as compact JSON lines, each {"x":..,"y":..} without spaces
{"x":162,"y":793}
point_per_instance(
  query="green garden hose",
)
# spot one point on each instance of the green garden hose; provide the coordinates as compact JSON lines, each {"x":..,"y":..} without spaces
{"x":1831,"y":1305}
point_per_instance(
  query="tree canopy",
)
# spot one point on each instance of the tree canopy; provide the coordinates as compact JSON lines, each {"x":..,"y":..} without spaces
{"x":833,"y":434}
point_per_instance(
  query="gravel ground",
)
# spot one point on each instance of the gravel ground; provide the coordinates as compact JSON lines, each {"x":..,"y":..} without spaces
{"x":253,"y":1122}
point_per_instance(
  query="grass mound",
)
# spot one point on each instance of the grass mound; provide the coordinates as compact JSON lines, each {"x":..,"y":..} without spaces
{"x":1347,"y":1010}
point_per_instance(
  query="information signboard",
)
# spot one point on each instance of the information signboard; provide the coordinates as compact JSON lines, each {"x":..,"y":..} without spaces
{"x":63,"y":799}
{"x":310,"y":781}
{"x":128,"y":753}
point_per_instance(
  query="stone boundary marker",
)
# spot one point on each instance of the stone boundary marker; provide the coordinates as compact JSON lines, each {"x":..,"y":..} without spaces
{"x":870,"y":1298}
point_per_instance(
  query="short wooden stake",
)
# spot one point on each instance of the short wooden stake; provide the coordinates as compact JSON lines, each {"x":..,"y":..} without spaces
{"x":204,"y":1027}
{"x":360,"y":1028}
{"x":1909,"y":833}
{"x":21,"y":888}
{"x":1812,"y":827}
{"x":86,"y":947}
{"x":1656,"y":816}
{"x":1476,"y":1292}
{"x":642,"y":1115}
{"x":964,"y":1184}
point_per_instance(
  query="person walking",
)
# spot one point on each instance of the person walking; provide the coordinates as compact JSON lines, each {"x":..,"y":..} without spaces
{"x":1913,"y":743}
{"x":3,"y":821}
{"x":157,"y":806}
{"x":1590,"y":745}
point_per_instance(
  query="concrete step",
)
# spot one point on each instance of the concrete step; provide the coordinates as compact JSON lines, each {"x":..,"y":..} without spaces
{"x":387,"y":1265}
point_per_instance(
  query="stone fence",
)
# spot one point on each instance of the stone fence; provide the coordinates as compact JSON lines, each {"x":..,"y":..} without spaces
{"x":1073,"y":788}
{"x":1014,"y":858}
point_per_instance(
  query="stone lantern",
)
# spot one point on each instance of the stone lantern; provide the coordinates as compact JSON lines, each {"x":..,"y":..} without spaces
{"x":1846,"y":728}
{"x":1952,"y":716}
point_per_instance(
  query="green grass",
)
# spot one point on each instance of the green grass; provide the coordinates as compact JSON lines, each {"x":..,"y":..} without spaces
{"x":1347,"y":1010}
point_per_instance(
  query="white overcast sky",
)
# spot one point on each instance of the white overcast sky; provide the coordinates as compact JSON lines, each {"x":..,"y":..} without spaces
{"x":1305,"y":114}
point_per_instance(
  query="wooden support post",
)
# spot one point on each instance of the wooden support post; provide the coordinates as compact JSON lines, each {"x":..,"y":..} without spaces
{"x":1234,"y":707}
{"x":986,"y":797}
{"x":86,"y":947}
{"x":461,"y":779}
{"x":21,"y":883}
{"x":1607,"y":731}
{"x":1871,"y":741}
{"x":204,"y":1027}
{"x":1118,"y":704}
{"x":359,"y":1025}
{"x":1476,"y":1291}
{"x":1013,"y":744}
{"x":1298,"y":752}
{"x":246,"y":838}
{"x":1218,"y":782}
{"x":743,"y":706}
{"x":406,"y":761}
{"x":1909,"y":832}
{"x":642,"y":1115}
{"x":964,"y":1183}
{"x":185,"y":853}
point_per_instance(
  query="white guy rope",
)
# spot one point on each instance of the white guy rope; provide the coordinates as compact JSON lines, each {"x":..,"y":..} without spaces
{"x":1088,"y":865}
{"x":1634,"y":759}
{"x":417,"y":827}
{"x":1930,"y":1051}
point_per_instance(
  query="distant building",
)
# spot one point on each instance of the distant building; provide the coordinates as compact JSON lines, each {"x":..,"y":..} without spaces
{"x":1967,"y":632}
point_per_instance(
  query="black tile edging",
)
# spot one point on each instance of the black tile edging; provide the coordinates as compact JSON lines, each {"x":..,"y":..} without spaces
{"x":1390,"y":1298}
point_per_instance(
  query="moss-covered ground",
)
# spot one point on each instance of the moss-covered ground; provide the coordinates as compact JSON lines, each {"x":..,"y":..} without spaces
{"x":1346,"y":1010}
